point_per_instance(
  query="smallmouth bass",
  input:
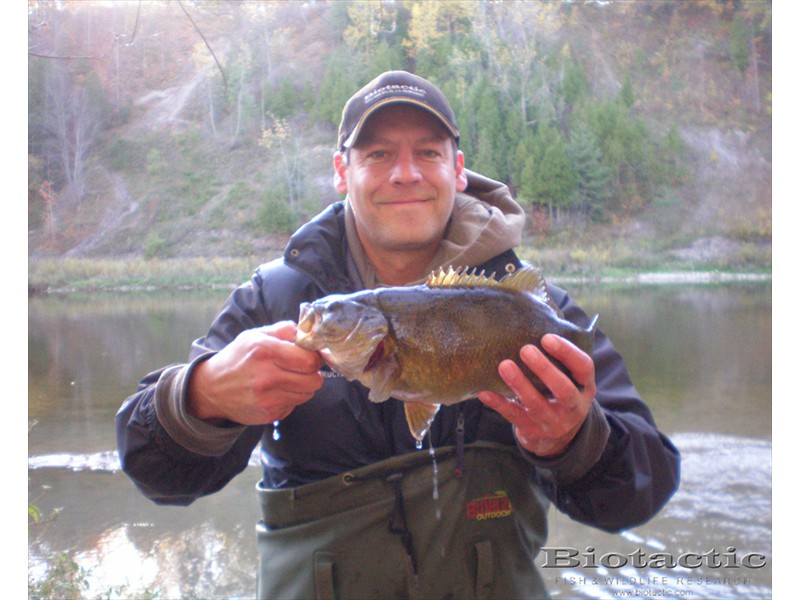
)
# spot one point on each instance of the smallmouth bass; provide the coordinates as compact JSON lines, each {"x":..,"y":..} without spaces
{"x":436,"y":343}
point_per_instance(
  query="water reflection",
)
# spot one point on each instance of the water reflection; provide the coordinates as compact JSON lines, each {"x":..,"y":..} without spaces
{"x":723,"y":506}
{"x":125,"y":541}
{"x":700,"y":355}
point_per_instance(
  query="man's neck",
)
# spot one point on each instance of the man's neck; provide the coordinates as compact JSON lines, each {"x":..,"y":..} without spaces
{"x":400,"y":267}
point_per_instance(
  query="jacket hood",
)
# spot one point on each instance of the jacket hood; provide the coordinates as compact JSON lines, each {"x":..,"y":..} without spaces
{"x":486,"y":222}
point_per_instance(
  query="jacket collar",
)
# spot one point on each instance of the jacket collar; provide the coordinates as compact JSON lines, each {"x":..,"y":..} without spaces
{"x":319,"y":250}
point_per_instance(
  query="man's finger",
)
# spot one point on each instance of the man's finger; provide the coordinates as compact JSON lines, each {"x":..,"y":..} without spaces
{"x":577,"y":362}
{"x":509,"y":410}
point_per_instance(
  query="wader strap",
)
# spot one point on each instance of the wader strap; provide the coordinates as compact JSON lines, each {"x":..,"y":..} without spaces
{"x":484,"y":577}
{"x":323,"y":576}
{"x":397,"y":522}
{"x":459,"y":470}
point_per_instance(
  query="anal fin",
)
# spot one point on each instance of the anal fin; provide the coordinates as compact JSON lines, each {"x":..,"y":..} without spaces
{"x":420,"y":416}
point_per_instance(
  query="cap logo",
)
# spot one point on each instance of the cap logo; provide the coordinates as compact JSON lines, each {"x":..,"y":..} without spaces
{"x":394,"y":89}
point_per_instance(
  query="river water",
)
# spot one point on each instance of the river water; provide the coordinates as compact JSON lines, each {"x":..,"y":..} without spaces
{"x":701,"y":356}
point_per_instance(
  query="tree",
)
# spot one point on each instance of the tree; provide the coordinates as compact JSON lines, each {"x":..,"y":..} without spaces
{"x":574,"y":84}
{"x":285,"y":148}
{"x":491,"y":142}
{"x":434,"y":30}
{"x":525,"y":168}
{"x":593,"y":177}
{"x":739,"y":44}
{"x":749,"y":29}
{"x":555,"y":179}
{"x":628,"y":151}
{"x":369,"y":20}
{"x":343,"y":75}
{"x":626,"y":94}
{"x":513,"y":38}
{"x":73,"y":115}
{"x":239,"y":100}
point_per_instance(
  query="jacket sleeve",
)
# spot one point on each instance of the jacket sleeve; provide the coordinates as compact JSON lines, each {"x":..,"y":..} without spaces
{"x":172,"y":457}
{"x":620,"y":470}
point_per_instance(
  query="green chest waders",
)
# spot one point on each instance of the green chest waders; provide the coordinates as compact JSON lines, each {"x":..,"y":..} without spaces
{"x":412,"y":526}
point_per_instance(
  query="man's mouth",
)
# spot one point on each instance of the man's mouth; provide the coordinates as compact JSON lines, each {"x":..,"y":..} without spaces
{"x":407,"y":201}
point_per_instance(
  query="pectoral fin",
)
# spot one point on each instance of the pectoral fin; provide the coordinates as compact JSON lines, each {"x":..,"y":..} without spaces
{"x":420,"y":416}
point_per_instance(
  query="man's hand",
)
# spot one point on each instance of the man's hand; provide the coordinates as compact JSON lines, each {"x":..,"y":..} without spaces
{"x":545,"y":426}
{"x":256,"y":379}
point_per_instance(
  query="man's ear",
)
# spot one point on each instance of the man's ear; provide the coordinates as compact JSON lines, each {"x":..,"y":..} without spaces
{"x":461,"y":172}
{"x":339,"y":173}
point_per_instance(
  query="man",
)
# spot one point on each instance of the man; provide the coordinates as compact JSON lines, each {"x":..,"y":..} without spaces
{"x":350,"y":507}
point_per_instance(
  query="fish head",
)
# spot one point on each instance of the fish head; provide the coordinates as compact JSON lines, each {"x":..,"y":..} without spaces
{"x":347,"y":333}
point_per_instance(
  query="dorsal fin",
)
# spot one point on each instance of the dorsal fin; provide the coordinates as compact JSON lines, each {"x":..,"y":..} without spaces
{"x":460,"y":277}
{"x":527,"y":279}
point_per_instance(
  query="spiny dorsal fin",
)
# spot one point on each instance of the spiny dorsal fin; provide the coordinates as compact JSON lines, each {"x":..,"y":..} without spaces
{"x":460,"y":277}
{"x":527,"y":279}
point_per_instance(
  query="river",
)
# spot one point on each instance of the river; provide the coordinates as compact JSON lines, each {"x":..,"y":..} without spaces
{"x":701,"y":356}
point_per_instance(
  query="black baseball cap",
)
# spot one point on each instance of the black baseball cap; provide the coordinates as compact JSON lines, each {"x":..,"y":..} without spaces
{"x":393,"y":87}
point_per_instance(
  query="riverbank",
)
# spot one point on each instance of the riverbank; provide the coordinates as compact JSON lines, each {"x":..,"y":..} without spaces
{"x":65,"y":275}
{"x":71,"y":275}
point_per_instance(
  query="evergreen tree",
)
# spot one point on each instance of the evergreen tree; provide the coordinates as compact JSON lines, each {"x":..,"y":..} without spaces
{"x":385,"y":56}
{"x":626,"y":95}
{"x":593,"y":177}
{"x":491,"y":138}
{"x":739,"y":44}
{"x":342,"y":76}
{"x":284,"y":101}
{"x":574,"y":84}
{"x":555,"y":182}
{"x":524,"y":168}
{"x":628,"y":152}
{"x":670,"y":150}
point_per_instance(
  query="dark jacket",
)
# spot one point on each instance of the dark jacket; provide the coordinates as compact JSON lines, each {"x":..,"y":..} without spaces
{"x":617,"y":482}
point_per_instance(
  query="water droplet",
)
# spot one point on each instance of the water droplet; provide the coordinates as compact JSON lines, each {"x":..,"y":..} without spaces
{"x":419,"y":444}
{"x":276,"y":434}
{"x":435,"y":481}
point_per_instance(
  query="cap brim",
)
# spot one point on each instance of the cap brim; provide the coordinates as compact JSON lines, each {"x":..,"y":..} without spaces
{"x":351,"y":139}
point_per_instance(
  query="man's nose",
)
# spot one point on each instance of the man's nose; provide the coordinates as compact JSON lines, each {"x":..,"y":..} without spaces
{"x":406,"y":169}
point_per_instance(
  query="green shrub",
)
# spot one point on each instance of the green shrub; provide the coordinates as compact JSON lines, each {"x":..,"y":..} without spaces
{"x":125,"y":155}
{"x":275,"y":216}
{"x":64,"y":579}
{"x":155,"y":163}
{"x":154,"y":245}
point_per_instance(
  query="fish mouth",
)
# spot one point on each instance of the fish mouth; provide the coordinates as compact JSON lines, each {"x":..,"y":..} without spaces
{"x":307,"y":319}
{"x":310,"y":330}
{"x":310,"y":322}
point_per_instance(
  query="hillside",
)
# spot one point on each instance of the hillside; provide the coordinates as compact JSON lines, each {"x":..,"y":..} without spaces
{"x":213,"y":139}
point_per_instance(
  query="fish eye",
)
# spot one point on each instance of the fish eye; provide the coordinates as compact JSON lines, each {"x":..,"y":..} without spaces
{"x":336,"y":306}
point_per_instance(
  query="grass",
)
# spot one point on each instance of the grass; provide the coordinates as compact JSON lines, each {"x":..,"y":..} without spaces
{"x":85,"y":274}
{"x":590,"y":257}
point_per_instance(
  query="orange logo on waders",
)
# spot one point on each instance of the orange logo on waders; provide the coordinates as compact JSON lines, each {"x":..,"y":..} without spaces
{"x":489,"y":507}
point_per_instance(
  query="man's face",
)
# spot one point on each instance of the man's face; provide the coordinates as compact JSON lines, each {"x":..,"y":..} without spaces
{"x":401,"y":179}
